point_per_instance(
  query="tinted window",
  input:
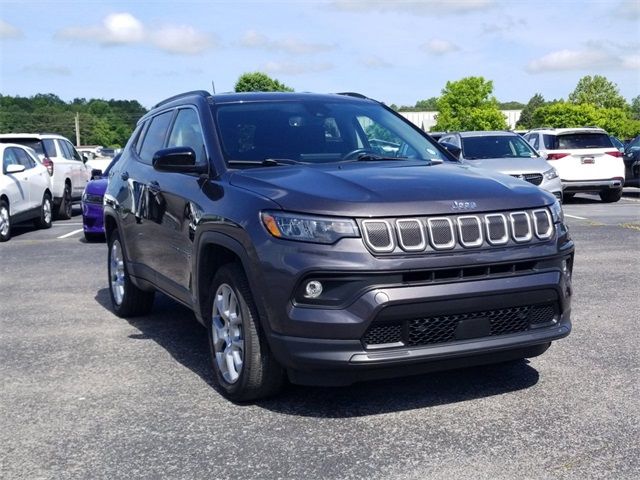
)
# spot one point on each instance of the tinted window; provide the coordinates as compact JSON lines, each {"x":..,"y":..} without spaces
{"x":155,"y":136}
{"x":9,"y":158}
{"x":316,"y":131}
{"x":186,"y":132}
{"x":549,"y":141}
{"x":583,"y":140}
{"x":64,"y":148}
{"x":74,"y":153}
{"x":496,"y":146}
{"x":24,"y":158}
{"x":533,"y":140}
{"x":27,"y":142}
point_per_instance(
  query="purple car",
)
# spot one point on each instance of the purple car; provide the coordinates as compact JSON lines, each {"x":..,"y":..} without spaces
{"x":92,"y":213}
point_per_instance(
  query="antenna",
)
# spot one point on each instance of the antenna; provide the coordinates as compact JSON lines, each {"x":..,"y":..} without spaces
{"x":213,"y":85}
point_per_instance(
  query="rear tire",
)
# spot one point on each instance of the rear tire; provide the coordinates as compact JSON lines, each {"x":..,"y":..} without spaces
{"x":244,"y":366}
{"x":65,"y":209}
{"x":127,"y":299}
{"x":5,"y":221}
{"x":611,"y":196}
{"x":94,"y":237}
{"x":567,"y":196}
{"x":46,"y":215}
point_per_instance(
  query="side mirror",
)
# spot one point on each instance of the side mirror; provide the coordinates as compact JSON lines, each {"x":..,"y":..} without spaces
{"x":14,"y":168}
{"x":177,"y":160}
{"x":452,"y":149}
{"x":96,"y":173}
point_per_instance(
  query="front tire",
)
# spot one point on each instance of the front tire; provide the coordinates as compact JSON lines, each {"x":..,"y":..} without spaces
{"x":5,"y":221}
{"x":127,"y":299}
{"x":46,"y":216}
{"x":244,"y":366}
{"x":611,"y":196}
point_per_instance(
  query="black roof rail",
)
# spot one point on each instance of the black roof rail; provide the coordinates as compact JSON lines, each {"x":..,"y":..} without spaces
{"x":353,"y":94}
{"x":199,"y":93}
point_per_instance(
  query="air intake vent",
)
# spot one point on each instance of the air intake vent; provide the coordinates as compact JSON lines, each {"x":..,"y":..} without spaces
{"x":470,"y":230}
{"x":441,"y":233}
{"x":497,"y":232}
{"x":535,"y":178}
{"x":410,"y":235}
{"x":542,"y":224}
{"x":378,"y":235}
{"x":520,"y":226}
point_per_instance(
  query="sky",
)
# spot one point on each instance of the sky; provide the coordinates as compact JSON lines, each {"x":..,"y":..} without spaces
{"x":396,"y":51}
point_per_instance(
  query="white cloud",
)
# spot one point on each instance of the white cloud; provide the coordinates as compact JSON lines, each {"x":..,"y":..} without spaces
{"x":627,"y":10}
{"x":125,"y":29}
{"x":418,"y":7}
{"x":507,"y":24}
{"x":59,"y":70}
{"x":438,"y":46}
{"x":586,"y":59}
{"x":293,"y":68}
{"x":375,"y":62}
{"x":253,"y":39}
{"x":9,"y":31}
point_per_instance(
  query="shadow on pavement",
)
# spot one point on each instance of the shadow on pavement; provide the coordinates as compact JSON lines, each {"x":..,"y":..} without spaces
{"x":174,"y":327}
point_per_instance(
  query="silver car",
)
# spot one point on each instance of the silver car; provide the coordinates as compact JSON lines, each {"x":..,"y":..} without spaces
{"x":505,"y":152}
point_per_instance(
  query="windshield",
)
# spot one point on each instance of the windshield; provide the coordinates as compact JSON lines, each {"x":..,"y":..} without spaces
{"x":496,"y":146}
{"x":634,"y":144}
{"x":317,"y":132}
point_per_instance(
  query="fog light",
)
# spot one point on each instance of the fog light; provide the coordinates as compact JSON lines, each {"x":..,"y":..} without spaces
{"x":313,"y":289}
{"x":565,"y":268}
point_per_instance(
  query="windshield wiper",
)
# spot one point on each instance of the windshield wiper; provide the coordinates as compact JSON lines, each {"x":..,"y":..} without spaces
{"x":274,"y":162}
{"x":372,"y":157}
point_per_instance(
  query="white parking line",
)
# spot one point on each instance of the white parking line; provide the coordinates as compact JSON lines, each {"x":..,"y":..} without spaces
{"x":65,"y":224}
{"x":70,"y":234}
{"x":575,"y":216}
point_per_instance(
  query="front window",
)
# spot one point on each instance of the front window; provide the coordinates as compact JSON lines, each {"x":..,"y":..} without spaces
{"x":496,"y":146}
{"x":317,"y":131}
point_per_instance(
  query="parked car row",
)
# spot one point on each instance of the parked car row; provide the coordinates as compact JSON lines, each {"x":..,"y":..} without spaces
{"x":42,"y":176}
{"x":564,"y":161}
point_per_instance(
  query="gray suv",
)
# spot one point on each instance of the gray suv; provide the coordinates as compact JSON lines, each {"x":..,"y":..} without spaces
{"x":324,"y":239}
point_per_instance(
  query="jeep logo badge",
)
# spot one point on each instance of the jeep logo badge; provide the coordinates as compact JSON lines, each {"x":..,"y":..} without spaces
{"x":460,"y":205}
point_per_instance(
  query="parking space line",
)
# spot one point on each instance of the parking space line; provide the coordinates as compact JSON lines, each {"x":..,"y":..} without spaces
{"x":70,"y":234}
{"x":575,"y":216}
{"x":65,"y":224}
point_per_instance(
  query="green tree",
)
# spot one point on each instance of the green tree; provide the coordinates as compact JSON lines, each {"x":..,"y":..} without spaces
{"x":428,"y":105}
{"x":513,"y":105}
{"x":468,"y":104}
{"x":635,"y":107}
{"x":597,"y":91}
{"x":616,"y":121}
{"x":526,"y":117}
{"x":259,"y":82}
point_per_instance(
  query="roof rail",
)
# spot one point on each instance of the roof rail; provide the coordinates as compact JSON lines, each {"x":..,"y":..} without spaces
{"x":199,"y":93}
{"x":353,"y":94}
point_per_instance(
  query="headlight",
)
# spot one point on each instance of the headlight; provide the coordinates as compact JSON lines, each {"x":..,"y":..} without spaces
{"x":90,"y":198}
{"x":556,"y":212}
{"x":551,"y":174}
{"x":305,"y":228}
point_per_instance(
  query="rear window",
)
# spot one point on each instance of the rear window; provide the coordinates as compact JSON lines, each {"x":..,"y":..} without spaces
{"x":496,"y":146}
{"x":27,"y":142}
{"x":583,"y":140}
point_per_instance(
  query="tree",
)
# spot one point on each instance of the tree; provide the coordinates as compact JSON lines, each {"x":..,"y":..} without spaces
{"x":428,"y":105}
{"x":526,"y":117}
{"x":259,"y":82}
{"x":597,"y":91}
{"x":513,"y":105}
{"x":616,"y":121}
{"x":468,"y":104}
{"x":635,"y":107}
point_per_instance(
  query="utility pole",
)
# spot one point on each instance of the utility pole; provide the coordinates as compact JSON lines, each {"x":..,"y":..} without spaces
{"x":77,"y":129}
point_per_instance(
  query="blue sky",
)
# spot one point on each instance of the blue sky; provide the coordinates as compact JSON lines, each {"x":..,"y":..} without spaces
{"x":397,"y":51}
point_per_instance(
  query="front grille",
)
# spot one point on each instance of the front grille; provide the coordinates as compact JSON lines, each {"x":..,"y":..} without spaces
{"x":535,"y":178}
{"x":456,"y":231}
{"x":448,"y":328}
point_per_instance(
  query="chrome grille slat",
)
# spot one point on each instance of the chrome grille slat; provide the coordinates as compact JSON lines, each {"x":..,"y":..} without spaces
{"x":441,"y":233}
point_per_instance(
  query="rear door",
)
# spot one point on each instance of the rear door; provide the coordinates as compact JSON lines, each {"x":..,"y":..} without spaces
{"x":34,"y":177}
{"x":15,"y":185}
{"x":586,"y":156}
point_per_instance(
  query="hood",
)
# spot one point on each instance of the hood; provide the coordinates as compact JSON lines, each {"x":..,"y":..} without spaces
{"x":388,"y":188}
{"x":512,"y":166}
{"x":97,"y":187}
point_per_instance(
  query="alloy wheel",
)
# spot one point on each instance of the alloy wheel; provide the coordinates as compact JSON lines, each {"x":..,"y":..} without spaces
{"x":5,"y":222}
{"x":116,"y":272}
{"x":227,"y":332}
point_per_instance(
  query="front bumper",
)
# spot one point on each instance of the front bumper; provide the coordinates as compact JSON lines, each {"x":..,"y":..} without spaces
{"x":92,"y":218}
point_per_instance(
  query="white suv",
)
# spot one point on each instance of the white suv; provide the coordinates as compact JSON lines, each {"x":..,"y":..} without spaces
{"x":65,"y":165}
{"x":585,"y":158}
{"x":25,"y":189}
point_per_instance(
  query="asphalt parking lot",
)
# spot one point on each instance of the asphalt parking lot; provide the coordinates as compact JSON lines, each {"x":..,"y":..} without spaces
{"x":85,"y":394}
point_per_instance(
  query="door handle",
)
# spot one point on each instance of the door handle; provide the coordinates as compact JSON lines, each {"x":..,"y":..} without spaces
{"x":124,"y":176}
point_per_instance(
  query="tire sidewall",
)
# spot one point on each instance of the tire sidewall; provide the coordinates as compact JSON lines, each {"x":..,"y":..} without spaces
{"x":112,"y":239}
{"x":4,"y":238}
{"x":43,"y":218}
{"x":223,"y":276}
